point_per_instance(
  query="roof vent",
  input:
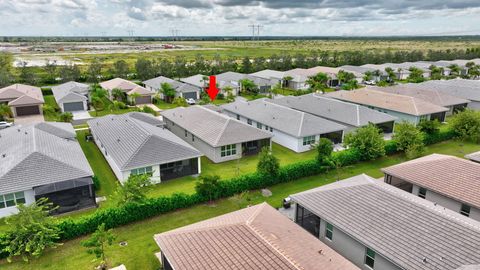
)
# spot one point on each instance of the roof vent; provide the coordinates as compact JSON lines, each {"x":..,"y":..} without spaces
{"x":435,"y":203}
{"x":4,"y":155}
{"x":118,"y":140}
{"x":424,"y":259}
{"x":320,"y":252}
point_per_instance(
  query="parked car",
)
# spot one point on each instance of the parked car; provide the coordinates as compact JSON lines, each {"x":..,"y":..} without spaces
{"x":5,"y":125}
{"x":190,"y":101}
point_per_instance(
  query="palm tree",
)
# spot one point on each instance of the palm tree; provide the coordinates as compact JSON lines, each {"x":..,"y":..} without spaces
{"x":286,"y":80}
{"x":118,"y":94}
{"x":97,"y":104}
{"x":5,"y":111}
{"x":319,"y":81}
{"x":133,"y":98}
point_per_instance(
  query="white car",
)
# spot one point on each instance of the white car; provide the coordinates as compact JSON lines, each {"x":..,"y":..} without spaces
{"x":190,"y":101}
{"x":5,"y":125}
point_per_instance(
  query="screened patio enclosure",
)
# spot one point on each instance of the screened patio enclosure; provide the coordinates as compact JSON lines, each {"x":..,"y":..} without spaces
{"x":336,"y":137}
{"x":68,"y":195}
{"x":253,"y":147}
{"x":307,"y":220}
{"x":178,"y":169}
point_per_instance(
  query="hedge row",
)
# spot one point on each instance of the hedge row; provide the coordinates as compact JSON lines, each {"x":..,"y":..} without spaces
{"x":122,"y":215}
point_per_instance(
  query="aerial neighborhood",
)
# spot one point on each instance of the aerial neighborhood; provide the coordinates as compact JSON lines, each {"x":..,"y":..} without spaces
{"x":321,"y":167}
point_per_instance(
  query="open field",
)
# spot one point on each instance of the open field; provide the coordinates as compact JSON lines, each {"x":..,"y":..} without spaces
{"x":131,"y":51}
{"x":139,"y":253}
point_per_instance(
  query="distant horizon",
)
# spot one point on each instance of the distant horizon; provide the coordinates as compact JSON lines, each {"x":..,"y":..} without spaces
{"x":239,"y":18}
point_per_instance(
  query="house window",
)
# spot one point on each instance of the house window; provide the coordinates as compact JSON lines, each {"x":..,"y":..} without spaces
{"x":186,"y":133}
{"x":309,"y":140}
{"x":146,"y":170}
{"x":249,"y":121}
{"x":193,"y":138}
{"x":259,"y":125}
{"x":12,"y":199}
{"x":228,"y":150}
{"x":271,"y":129}
{"x":422,"y":193}
{"x":329,"y":231}
{"x":370,"y":258}
{"x":266,"y":127}
{"x":238,"y":116}
{"x":388,"y":179}
{"x":465,"y":210}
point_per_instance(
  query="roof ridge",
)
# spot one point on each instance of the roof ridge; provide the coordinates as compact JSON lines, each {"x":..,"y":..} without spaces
{"x":134,"y":121}
{"x":414,"y":105}
{"x":301,"y":124}
{"x":223,"y":130}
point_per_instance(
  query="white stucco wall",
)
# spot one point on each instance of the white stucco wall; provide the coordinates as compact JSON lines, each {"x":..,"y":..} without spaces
{"x":29,"y":199}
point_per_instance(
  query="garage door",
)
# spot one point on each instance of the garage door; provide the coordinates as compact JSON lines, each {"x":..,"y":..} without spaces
{"x":190,"y":95}
{"x":143,"y":100}
{"x":73,"y":106}
{"x":27,"y":110}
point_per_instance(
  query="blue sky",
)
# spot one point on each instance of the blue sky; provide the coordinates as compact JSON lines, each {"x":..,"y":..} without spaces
{"x":232,"y":17}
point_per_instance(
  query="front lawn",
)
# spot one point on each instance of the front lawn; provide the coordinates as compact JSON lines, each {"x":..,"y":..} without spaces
{"x":139,"y":253}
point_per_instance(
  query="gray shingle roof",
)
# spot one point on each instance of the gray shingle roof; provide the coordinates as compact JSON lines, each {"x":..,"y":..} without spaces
{"x":156,"y":83}
{"x":431,"y":95}
{"x":132,"y":141}
{"x":357,"y":69}
{"x":474,"y":156}
{"x":468,"y":89}
{"x":70,"y":92}
{"x":396,"y":224}
{"x":269,"y":74}
{"x":195,"y":80}
{"x":40,"y":154}
{"x":230,"y":76}
{"x":290,"y":121}
{"x":335,"y":110}
{"x":212,"y":127}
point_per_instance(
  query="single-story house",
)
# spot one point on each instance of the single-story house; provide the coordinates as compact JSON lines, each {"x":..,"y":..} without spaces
{"x":230,"y":79}
{"x":263,"y":85}
{"x":378,"y":226}
{"x":23,"y":99}
{"x":453,"y":103}
{"x":293,"y":129}
{"x":128,"y":88}
{"x":331,"y":72}
{"x":214,"y":134}
{"x":198,"y":80}
{"x":274,"y":76}
{"x":357,"y":71}
{"x":71,"y":96}
{"x":467,"y":89}
{"x":405,"y":108}
{"x":450,"y":181}
{"x":43,"y":160}
{"x":257,"y":237}
{"x":138,"y":143}
{"x":184,"y":90}
{"x":299,"y":77}
{"x":348,"y":114}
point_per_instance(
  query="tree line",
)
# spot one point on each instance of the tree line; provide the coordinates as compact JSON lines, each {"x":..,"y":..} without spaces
{"x":180,"y":66}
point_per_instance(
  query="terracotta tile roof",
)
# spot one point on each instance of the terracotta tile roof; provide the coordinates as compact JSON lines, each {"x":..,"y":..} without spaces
{"x":118,"y":83}
{"x":388,"y":101}
{"x":258,"y":237}
{"x":451,"y":176}
{"x":21,"y":94}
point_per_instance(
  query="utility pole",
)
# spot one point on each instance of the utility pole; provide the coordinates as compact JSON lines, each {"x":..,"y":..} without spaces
{"x":253,"y":30}
{"x":258,"y":31}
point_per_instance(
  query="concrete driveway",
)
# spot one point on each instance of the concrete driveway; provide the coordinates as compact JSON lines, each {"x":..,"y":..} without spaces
{"x":24,"y":120}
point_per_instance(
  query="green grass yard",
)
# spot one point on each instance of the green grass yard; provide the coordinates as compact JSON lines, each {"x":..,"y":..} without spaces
{"x":50,"y":101}
{"x":139,"y":253}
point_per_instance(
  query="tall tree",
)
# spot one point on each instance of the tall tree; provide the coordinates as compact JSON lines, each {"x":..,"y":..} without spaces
{"x":26,"y":74}
{"x":145,"y":69}
{"x":120,"y":69}
{"x":6,"y":66}
{"x":51,"y":71}
{"x":5,"y":111}
{"x":409,"y":138}
{"x":318,"y":81}
{"x":168,"y":91}
{"x":94,"y":71}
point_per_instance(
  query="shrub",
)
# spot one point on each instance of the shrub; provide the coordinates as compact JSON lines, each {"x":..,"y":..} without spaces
{"x":96,"y":182}
{"x":149,"y":110}
{"x":466,"y":125}
{"x":66,"y":117}
{"x":268,"y":164}
{"x":368,"y":140}
{"x":409,"y":139}
{"x":429,"y":126}
{"x":324,"y":149}
{"x":208,"y":187}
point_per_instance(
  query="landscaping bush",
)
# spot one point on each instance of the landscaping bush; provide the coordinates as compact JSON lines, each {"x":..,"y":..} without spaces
{"x":149,"y":110}
{"x":96,"y":182}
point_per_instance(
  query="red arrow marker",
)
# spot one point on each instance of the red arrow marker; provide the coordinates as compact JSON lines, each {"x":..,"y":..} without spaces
{"x":212,"y":90}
